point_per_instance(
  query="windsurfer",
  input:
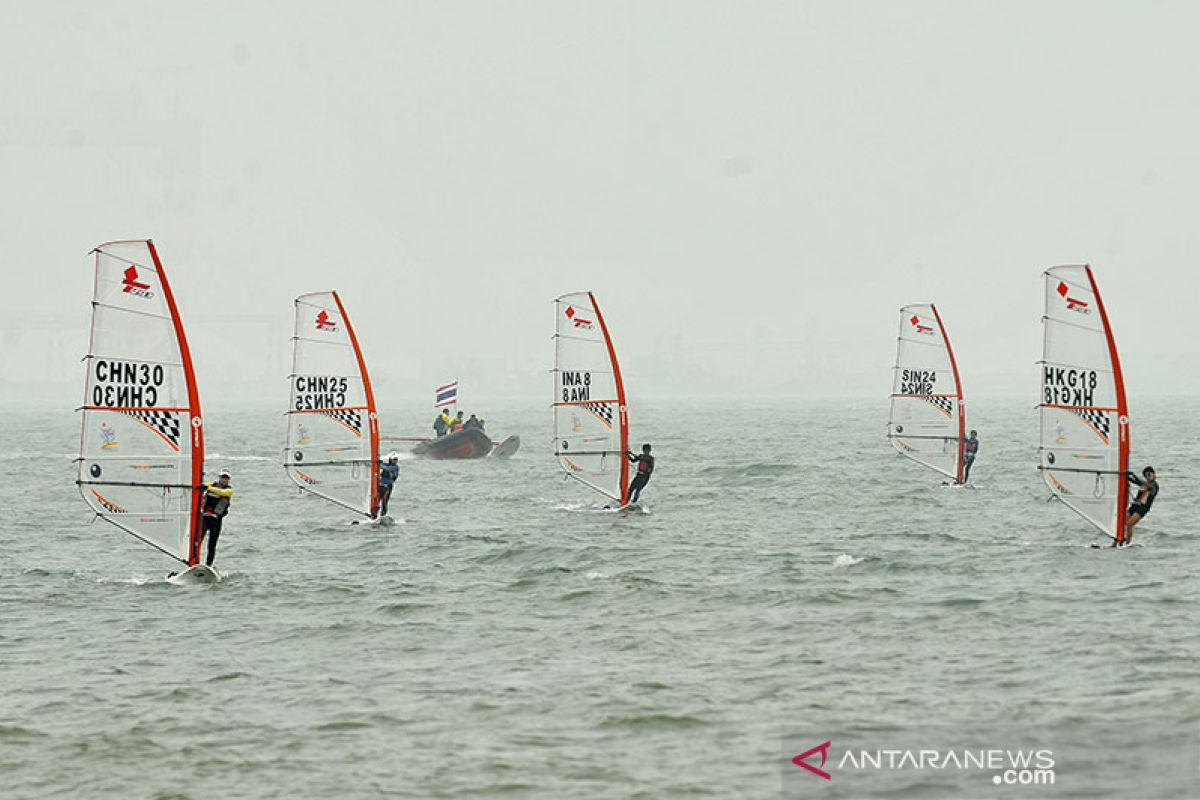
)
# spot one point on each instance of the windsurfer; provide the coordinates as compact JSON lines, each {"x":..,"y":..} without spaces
{"x":645,"y":467}
{"x":389,"y":471}
{"x":213,"y":507}
{"x":1147,"y":491}
{"x":970,"y":448}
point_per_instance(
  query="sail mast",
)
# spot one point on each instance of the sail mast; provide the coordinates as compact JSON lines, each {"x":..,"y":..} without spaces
{"x":1122,"y":409}
{"x":194,"y":415}
{"x":962,"y":412}
{"x":622,"y":410}
{"x":369,"y":394}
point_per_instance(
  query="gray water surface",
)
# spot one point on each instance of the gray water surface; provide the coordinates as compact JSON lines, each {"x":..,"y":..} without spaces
{"x":795,"y":581}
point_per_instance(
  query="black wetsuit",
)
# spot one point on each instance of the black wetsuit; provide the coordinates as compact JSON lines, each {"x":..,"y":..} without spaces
{"x":970,"y":448}
{"x":1147,"y":491}
{"x":645,"y":464}
{"x":213,"y":509}
{"x":388,"y":474}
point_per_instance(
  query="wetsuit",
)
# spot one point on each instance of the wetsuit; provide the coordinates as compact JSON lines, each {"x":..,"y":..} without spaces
{"x":388,"y":473}
{"x":645,"y":467}
{"x":213,"y":508}
{"x":1147,"y":491}
{"x":970,"y":448}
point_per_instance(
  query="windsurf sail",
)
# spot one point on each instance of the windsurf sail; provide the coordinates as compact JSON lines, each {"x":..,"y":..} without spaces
{"x":141,"y":451}
{"x":1084,"y":416}
{"x":928,"y":419}
{"x":591,"y":424}
{"x":332,"y":428}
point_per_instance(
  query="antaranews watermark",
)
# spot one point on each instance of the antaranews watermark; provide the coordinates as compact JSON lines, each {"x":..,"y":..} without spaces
{"x":1144,"y":761}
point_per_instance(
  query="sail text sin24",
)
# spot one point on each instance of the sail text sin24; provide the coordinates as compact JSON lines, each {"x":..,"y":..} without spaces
{"x":918,"y":381}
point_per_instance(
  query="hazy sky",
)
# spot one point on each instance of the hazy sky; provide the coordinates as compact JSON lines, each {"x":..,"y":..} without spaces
{"x":751,"y":189}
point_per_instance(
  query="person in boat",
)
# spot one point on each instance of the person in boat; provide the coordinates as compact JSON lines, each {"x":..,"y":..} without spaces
{"x":970,"y":448}
{"x":1147,"y":491}
{"x":214,"y":505}
{"x":645,"y":468}
{"x":441,"y":424}
{"x":457,"y":424}
{"x":389,"y":472}
{"x":473,"y":422}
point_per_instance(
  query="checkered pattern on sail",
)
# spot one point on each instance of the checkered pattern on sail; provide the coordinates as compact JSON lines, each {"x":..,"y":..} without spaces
{"x":602,"y":410}
{"x":164,"y":423}
{"x":348,"y":417}
{"x":943,"y":404}
{"x":1095,"y":418}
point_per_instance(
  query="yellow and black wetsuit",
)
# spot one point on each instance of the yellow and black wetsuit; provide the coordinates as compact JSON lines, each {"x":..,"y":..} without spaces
{"x":213,"y":508}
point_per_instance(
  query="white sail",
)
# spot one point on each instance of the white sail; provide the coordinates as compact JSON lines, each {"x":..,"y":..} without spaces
{"x":142,"y":445}
{"x":927,"y":417}
{"x":1084,"y":416}
{"x":591,"y":424}
{"x":332,"y":431}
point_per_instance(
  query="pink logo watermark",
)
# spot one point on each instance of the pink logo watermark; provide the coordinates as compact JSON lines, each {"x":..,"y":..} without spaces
{"x":823,"y":749}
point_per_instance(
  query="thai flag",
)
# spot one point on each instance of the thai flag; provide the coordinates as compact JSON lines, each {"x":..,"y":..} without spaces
{"x":446,"y":395}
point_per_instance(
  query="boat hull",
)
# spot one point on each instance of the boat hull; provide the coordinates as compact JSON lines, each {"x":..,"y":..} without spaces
{"x":467,"y":443}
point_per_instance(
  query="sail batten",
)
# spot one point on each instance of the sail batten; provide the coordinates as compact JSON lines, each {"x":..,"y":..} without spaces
{"x":591,"y":421}
{"x":1084,"y":416}
{"x":142,"y":438}
{"x":331,"y":411}
{"x":927,"y":417}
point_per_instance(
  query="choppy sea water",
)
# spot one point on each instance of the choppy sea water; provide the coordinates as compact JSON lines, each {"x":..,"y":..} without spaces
{"x":794,"y":583}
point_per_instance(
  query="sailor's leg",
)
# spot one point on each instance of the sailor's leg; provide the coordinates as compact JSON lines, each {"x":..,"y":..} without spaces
{"x":214,"y":534}
{"x":635,"y":488}
{"x":384,"y":496}
{"x":1134,"y":519}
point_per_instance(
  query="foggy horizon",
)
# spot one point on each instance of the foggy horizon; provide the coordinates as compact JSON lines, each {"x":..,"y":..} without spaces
{"x":752,"y":193}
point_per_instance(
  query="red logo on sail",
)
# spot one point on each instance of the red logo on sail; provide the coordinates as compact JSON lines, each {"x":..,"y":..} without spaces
{"x":579,"y":321}
{"x":915,"y":321}
{"x":133,"y":285}
{"x":1073,"y":304}
{"x":324,"y":323}
{"x":823,"y":749}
